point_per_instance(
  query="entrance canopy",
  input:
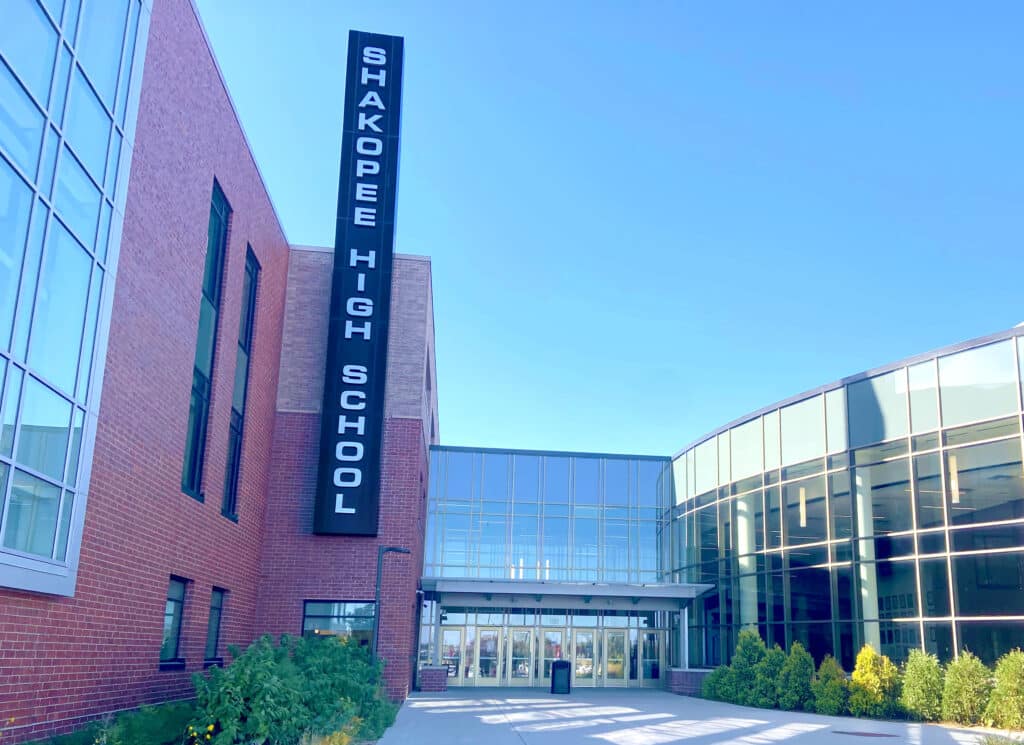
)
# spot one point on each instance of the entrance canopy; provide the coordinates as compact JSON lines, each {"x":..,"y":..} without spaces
{"x":505,"y":593}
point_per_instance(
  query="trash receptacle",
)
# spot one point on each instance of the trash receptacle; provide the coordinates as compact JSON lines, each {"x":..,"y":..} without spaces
{"x":560,"y":677}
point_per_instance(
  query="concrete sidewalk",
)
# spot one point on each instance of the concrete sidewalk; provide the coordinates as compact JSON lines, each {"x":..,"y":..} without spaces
{"x":524,"y":716}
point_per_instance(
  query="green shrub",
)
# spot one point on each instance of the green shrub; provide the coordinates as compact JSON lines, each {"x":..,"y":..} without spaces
{"x":765,"y":691}
{"x":302,"y":688}
{"x":750,"y":650}
{"x":922,"y":686}
{"x":966,"y":690}
{"x":829,"y":688}
{"x":794,"y":683}
{"x":163,"y":724}
{"x":719,"y":685}
{"x":875,"y":685}
{"x":1006,"y":706}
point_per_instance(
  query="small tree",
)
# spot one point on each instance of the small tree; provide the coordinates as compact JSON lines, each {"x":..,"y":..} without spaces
{"x":765,"y":692}
{"x":922,"y":686}
{"x":750,"y":650}
{"x":1006,"y":706}
{"x":829,"y":688}
{"x":966,"y":691}
{"x":794,"y":684}
{"x":719,"y":685}
{"x":875,"y":688}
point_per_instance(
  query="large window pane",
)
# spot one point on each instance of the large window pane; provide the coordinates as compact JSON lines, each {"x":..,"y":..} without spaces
{"x":978,"y":384}
{"x":99,"y":44}
{"x":934,"y":588}
{"x":924,"y":397}
{"x":805,"y":511}
{"x":526,"y":477}
{"x":989,"y":584}
{"x":985,"y":483}
{"x":496,"y":478}
{"x":60,"y":309}
{"x":88,"y":126}
{"x":21,"y":125}
{"x":15,"y":203}
{"x":882,"y":496}
{"x":28,"y":42}
{"x":43,"y":441}
{"x":803,"y":431}
{"x":835,"y":420}
{"x":11,"y":400}
{"x":706,"y":465}
{"x":878,"y":408}
{"x":772,"y":456}
{"x":990,"y":640}
{"x":556,"y":480}
{"x":585,"y":488}
{"x":747,"y":450}
{"x":928,"y":484}
{"x":616,"y":482}
{"x":77,"y":199}
{"x":31,"y":521}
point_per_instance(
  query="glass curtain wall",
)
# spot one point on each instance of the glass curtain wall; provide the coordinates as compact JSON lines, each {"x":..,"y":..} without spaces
{"x":66,"y":71}
{"x":889,"y":510}
{"x":538,"y":516}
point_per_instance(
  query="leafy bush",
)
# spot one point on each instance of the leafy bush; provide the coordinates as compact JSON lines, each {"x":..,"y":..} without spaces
{"x":875,"y":688}
{"x":304,"y":688}
{"x":1006,"y":706}
{"x":719,"y":685}
{"x":966,"y":691}
{"x":922,"y":686}
{"x":794,"y":683}
{"x":163,"y":724}
{"x":750,"y":650}
{"x":829,"y":688}
{"x":765,"y":692}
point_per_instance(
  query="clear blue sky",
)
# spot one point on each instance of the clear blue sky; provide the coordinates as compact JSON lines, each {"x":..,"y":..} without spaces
{"x":649,"y":218}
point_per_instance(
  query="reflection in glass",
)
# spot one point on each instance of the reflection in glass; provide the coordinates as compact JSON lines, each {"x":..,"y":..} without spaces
{"x":583,"y":669}
{"x":978,"y":384}
{"x":88,"y":126}
{"x":985,"y":483}
{"x":21,"y":127}
{"x":77,"y":199}
{"x":12,"y":397}
{"x":99,"y":44}
{"x":556,"y":479}
{"x":527,"y":477}
{"x":43,"y":440}
{"x":31,"y":521}
{"x":29,"y":43}
{"x":924,"y":397}
{"x":883,"y":498}
{"x":928,"y":485}
{"x":803,"y":431}
{"x":805,"y":511}
{"x":60,"y":309}
{"x":15,"y":202}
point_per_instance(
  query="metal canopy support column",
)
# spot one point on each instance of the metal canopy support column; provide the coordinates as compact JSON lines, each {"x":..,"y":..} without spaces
{"x":684,"y":648}
{"x":436,"y":660}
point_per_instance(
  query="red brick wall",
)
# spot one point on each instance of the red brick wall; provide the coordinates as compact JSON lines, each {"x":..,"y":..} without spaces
{"x":298,"y":565}
{"x":62,"y":658}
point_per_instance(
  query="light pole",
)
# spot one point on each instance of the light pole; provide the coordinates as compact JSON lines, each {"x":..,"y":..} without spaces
{"x":381,"y":550}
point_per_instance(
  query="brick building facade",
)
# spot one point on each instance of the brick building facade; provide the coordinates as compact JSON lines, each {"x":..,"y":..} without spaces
{"x":89,"y":642}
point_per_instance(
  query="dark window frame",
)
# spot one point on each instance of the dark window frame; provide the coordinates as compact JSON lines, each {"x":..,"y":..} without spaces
{"x":202,"y":382}
{"x":307,"y":615}
{"x":246,"y":332}
{"x":174,"y":660}
{"x":218,"y":599}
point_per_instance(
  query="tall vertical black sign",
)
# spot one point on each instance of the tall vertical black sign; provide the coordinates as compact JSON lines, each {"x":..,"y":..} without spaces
{"x":348,"y":478}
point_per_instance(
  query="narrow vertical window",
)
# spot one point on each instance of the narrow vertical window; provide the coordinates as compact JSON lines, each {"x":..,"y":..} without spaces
{"x":213,"y":625}
{"x":245,"y":331}
{"x":202,"y":373}
{"x":173,"y":610}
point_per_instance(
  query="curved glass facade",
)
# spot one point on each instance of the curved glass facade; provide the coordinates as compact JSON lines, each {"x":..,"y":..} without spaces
{"x":885,"y":509}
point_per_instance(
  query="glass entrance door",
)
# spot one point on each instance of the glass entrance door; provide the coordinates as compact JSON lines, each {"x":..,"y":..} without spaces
{"x":489,"y":657}
{"x":652,"y":652}
{"x":615,"y":660}
{"x":520,"y":657}
{"x":584,"y":658}
{"x":451,"y":654}
{"x":552,"y":648}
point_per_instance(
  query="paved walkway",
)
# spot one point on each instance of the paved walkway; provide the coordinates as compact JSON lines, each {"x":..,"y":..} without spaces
{"x":518,"y":716}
